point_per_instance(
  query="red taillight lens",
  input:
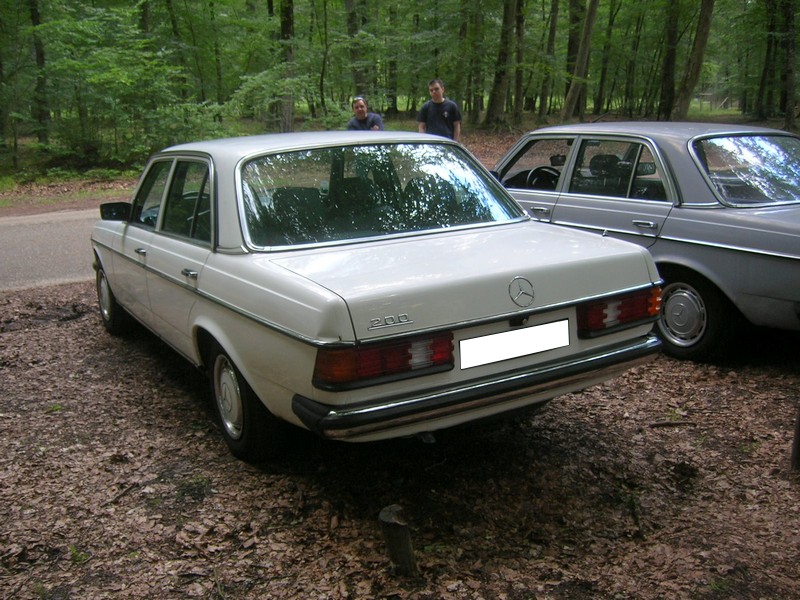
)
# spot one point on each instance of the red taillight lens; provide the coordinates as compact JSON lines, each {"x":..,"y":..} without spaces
{"x":618,"y":312}
{"x":348,"y":367}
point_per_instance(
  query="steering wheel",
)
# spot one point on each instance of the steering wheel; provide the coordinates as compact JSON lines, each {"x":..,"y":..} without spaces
{"x":543,"y":178}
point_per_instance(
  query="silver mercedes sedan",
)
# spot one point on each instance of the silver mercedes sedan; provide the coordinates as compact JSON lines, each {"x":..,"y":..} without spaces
{"x":718,"y":206}
{"x":364,"y":285}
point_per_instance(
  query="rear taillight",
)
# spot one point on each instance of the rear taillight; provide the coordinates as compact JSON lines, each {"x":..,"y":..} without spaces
{"x":338,"y":368}
{"x":618,"y":312}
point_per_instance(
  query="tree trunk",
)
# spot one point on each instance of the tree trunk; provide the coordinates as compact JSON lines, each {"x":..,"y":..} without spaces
{"x":392,"y":81}
{"x":3,"y":107}
{"x":577,"y":86}
{"x":212,"y":17}
{"x":630,"y":68}
{"x":667,"y":99}
{"x":144,"y":16}
{"x":763,"y":101}
{"x":790,"y":102}
{"x":600,"y":96}
{"x":474,"y":50}
{"x":576,"y":10}
{"x":356,"y":18}
{"x":519,"y":72}
{"x":498,"y":93}
{"x":326,"y":49}
{"x":40,"y":108}
{"x":550,"y":51}
{"x":287,"y":38}
{"x":692,"y":75}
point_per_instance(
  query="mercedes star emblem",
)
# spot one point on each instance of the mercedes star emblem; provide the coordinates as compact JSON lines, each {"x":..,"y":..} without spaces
{"x":521,"y":291}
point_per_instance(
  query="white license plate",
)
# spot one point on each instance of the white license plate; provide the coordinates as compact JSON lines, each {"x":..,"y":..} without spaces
{"x":513,"y":344}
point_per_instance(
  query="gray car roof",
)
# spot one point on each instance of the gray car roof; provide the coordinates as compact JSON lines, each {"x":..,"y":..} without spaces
{"x":672,"y":130}
{"x":237,"y":148}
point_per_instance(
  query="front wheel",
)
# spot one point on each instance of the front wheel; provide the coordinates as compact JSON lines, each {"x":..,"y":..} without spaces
{"x":115,"y":319}
{"x":246,"y":424}
{"x":697,"y":321}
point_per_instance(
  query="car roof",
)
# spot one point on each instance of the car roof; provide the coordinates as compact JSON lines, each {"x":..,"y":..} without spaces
{"x":671,"y":131}
{"x":236,"y":148}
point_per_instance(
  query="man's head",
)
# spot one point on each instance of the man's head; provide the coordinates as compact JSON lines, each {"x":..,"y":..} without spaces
{"x":436,"y":90}
{"x":360,"y":108}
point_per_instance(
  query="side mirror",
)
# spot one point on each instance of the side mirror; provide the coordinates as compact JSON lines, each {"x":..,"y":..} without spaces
{"x":115,"y":211}
{"x":645,"y":168}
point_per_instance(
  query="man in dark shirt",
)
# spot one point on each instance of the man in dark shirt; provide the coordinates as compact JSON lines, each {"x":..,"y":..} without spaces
{"x":439,"y":115}
{"x":363,"y":119}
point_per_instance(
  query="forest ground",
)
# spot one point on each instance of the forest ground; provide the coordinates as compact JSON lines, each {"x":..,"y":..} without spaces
{"x":671,"y":481}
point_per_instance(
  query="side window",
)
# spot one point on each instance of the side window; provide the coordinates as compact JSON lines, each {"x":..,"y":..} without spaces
{"x":539,"y":166}
{"x":647,"y":181}
{"x":616,"y":169}
{"x":147,"y":203}
{"x":187,"y":210}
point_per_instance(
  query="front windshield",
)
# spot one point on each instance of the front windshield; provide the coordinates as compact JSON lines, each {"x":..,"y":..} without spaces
{"x":749,"y":170}
{"x":352,"y":192}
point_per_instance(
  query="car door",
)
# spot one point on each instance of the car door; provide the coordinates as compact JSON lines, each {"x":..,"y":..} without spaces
{"x":533,"y":173}
{"x":616,"y":187}
{"x":178,"y":251}
{"x":131,"y":262}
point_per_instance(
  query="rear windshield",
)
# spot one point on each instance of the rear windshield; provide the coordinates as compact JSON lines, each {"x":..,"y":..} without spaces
{"x":353,"y":192}
{"x":749,"y":170}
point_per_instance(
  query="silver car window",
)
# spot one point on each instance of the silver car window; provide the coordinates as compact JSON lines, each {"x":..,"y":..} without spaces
{"x":619,"y":169}
{"x":539,"y":166}
{"x":329,"y":194}
{"x":147,"y":204}
{"x":749,"y":170}
{"x":187,"y":208}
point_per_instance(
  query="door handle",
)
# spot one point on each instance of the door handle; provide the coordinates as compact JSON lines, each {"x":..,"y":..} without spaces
{"x":141,"y":251}
{"x":644,"y":224}
{"x":540,"y":211}
{"x":189,"y":273}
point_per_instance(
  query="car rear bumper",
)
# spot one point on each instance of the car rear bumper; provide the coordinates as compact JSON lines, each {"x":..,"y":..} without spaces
{"x":438,"y":408}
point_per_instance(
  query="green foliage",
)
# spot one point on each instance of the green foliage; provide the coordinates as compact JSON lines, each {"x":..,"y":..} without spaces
{"x":125,"y":79}
{"x":78,"y":556}
{"x":7,"y":183}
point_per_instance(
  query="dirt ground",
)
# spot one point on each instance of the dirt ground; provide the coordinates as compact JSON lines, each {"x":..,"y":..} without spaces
{"x":671,"y":481}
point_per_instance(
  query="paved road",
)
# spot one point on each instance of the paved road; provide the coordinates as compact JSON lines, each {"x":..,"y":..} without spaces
{"x":46,"y":249}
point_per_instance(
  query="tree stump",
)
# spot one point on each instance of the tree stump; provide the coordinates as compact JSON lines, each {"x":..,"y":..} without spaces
{"x":398,"y":540}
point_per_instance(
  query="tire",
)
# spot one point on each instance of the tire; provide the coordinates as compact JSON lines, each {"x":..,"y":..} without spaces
{"x":249,"y":429}
{"x":115,"y":319}
{"x":697,"y":321}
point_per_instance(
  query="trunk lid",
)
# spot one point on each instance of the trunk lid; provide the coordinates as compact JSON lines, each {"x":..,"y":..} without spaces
{"x":446,"y":280}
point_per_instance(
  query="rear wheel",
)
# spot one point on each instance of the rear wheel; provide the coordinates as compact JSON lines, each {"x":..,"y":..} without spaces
{"x":247,"y":426}
{"x":697,"y":321}
{"x":115,"y":319}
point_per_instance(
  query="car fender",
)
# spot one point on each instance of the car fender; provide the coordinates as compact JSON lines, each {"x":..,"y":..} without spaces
{"x":257,"y":351}
{"x":668,"y":255}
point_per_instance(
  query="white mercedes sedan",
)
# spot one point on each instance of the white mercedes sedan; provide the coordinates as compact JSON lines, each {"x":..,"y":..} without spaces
{"x":364,"y":285}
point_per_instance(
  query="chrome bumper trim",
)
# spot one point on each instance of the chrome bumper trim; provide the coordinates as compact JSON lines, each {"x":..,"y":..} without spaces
{"x":350,"y":422}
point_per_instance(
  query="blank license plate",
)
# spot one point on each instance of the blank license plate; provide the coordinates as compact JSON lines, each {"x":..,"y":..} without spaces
{"x":513,"y":344}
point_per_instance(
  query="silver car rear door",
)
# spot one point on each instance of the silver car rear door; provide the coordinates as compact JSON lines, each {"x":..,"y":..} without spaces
{"x":615,"y":187}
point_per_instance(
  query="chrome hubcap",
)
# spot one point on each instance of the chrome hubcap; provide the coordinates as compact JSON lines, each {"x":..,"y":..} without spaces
{"x":684,"y":316}
{"x":228,"y":397}
{"x":104,"y":295}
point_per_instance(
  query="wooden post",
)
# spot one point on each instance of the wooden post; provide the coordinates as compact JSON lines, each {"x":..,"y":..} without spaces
{"x":398,"y":540}
{"x":795,"y":461}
